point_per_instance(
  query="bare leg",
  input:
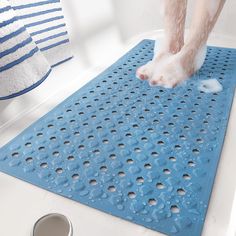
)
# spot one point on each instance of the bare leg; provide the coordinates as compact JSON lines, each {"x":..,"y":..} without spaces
{"x":205,"y":17}
{"x":174,"y":20}
{"x":185,"y":63}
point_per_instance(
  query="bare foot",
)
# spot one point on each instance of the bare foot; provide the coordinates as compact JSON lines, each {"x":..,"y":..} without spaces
{"x":146,"y":71}
{"x":177,"y":68}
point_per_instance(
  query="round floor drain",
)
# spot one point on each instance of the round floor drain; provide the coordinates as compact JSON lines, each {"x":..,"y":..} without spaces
{"x":53,"y":225}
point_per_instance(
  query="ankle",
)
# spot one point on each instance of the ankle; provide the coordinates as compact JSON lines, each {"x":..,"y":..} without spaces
{"x":172,"y":44}
{"x":175,"y":45}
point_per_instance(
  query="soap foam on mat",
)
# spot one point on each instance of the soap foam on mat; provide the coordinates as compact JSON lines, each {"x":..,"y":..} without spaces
{"x":210,"y":86}
{"x":146,"y":154}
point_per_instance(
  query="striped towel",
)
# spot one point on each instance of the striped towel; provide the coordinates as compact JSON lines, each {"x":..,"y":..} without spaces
{"x":44,"y":21}
{"x":22,"y":65}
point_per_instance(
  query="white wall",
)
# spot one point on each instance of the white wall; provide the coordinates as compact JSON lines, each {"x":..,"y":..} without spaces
{"x":136,"y":16}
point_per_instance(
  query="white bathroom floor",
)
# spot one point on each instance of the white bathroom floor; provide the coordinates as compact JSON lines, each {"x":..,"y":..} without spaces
{"x":21,"y":204}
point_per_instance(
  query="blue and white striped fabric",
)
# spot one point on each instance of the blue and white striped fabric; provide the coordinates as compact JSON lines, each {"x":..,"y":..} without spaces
{"x":22,"y":65}
{"x":44,"y":21}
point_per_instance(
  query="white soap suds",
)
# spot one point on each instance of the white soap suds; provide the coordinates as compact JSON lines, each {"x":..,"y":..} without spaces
{"x":168,"y":73}
{"x":210,"y":86}
{"x":200,"y":57}
{"x":160,"y":46}
{"x":156,"y":48}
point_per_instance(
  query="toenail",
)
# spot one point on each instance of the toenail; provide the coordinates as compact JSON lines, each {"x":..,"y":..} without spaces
{"x":142,"y":77}
{"x":153,"y":83}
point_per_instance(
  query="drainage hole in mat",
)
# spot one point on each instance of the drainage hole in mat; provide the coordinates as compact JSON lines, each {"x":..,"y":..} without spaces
{"x":203,"y":131}
{"x":75,"y":176}
{"x":160,"y":185}
{"x":182,"y":137}
{"x":147,"y":166}
{"x":44,"y":165}
{"x":39,"y":134}
{"x":111,"y":188}
{"x":140,"y":179}
{"x":56,"y":154}
{"x":121,"y":174}
{"x":191,"y":163}
{"x":59,"y":170}
{"x":155,"y":154}
{"x":150,"y":130}
{"x":131,"y":195}
{"x":186,"y":176}
{"x":137,"y":149}
{"x":81,"y":147}
{"x":160,"y":142}
{"x":96,"y":151}
{"x":128,"y":135}
{"x":174,"y":209}
{"x":67,"y":142}
{"x":181,"y":191}
{"x":195,"y":151}
{"x":130,"y":161}
{"x":172,"y":159}
{"x":86,"y":163}
{"x":41,"y":148}
{"x":15,"y":154}
{"x":199,"y":140}
{"x":113,"y":156}
{"x":166,"y":171}
{"x":144,"y":139}
{"x":28,"y":144}
{"x":93,"y":182}
{"x":29,"y":159}
{"x":121,"y":145}
{"x":152,"y":202}
{"x":103,"y":168}
{"x":70,"y":158}
{"x":76,"y":133}
{"x":177,"y":147}
{"x":99,"y":128}
{"x":105,"y":141}
{"x":156,"y":121}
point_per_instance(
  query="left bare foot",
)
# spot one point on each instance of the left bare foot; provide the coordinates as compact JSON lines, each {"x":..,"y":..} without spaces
{"x":178,"y":67}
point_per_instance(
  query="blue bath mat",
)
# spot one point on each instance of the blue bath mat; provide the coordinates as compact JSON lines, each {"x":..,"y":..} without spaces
{"x":147,"y":155}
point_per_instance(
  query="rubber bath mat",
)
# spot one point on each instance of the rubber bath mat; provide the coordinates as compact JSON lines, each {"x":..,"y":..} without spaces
{"x":145,"y":154}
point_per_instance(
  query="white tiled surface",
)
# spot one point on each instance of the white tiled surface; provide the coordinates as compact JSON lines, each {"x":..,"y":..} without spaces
{"x":21,"y":204}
